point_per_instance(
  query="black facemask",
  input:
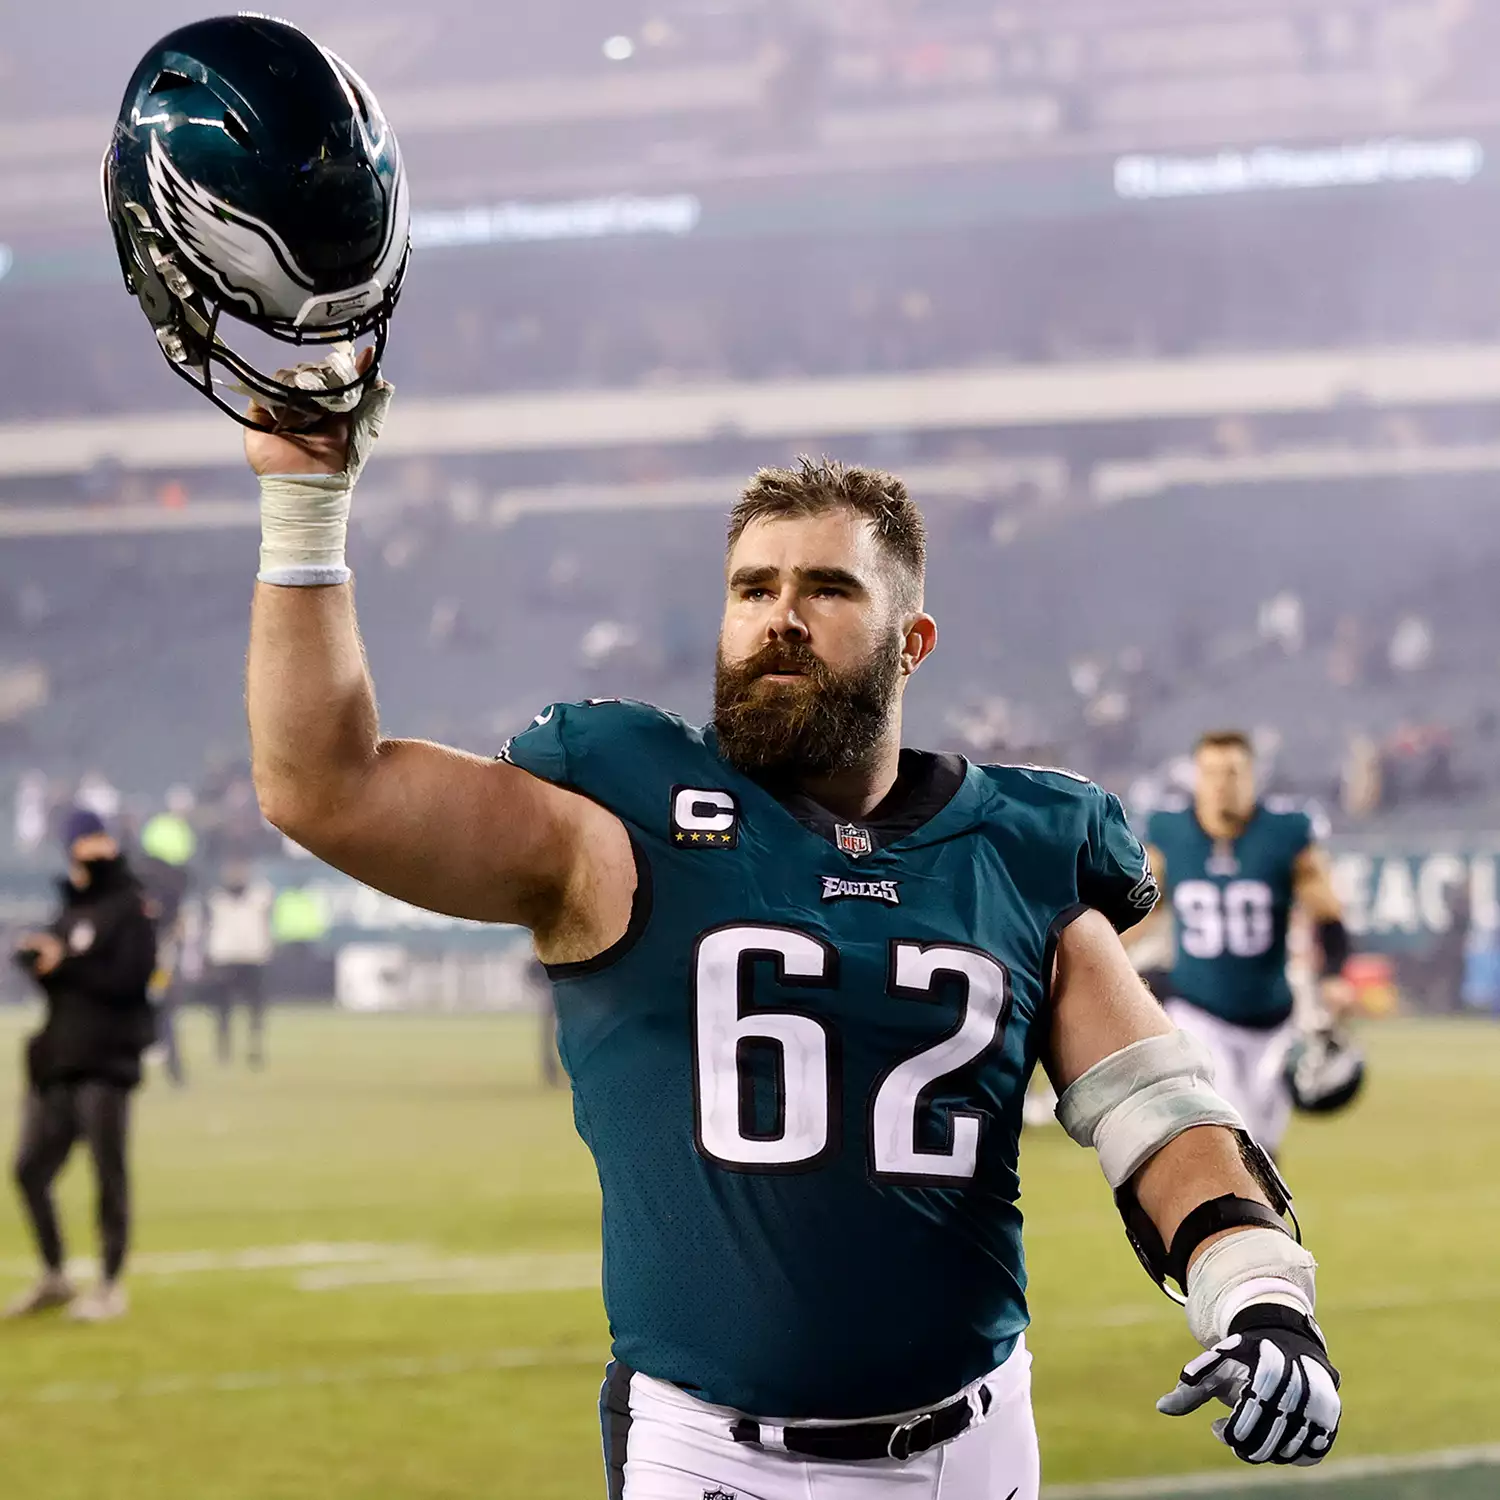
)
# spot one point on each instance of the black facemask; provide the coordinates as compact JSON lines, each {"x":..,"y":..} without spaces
{"x":828,"y":722}
{"x":99,"y":872}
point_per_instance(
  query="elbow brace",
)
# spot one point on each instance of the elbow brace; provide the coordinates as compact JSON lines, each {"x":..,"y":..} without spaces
{"x":1130,"y":1105}
{"x":304,"y":518}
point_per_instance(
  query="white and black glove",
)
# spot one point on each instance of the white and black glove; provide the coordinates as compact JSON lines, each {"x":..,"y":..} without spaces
{"x":1273,"y":1369}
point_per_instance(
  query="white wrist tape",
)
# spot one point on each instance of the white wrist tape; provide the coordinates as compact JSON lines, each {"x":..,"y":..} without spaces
{"x":1129,"y":1106}
{"x":1251,"y":1265}
{"x":304,"y":518}
{"x":304,"y":522}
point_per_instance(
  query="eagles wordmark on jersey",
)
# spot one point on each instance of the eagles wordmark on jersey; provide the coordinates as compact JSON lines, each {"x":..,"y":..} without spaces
{"x":801,"y":1069}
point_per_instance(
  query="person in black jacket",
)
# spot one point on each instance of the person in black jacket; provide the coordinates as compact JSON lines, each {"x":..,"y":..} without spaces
{"x":93,"y":963}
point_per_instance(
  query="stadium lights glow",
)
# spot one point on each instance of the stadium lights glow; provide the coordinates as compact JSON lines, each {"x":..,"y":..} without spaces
{"x":572,"y":219}
{"x":1286,"y":168}
{"x":7,"y":260}
{"x":619,"y":48}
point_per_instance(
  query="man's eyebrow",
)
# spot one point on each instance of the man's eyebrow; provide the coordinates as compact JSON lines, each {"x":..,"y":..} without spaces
{"x":758,"y":577}
{"x":749,"y":578}
{"x":841,"y":576}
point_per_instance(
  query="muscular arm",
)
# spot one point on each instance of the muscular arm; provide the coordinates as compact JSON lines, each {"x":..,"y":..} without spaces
{"x":1099,"y":1006}
{"x":1312,"y":889}
{"x":1312,"y":886}
{"x":433,"y":826}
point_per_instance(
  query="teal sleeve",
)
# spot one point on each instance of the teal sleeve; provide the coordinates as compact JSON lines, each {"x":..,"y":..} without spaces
{"x":542,"y":748}
{"x":1114,"y":876}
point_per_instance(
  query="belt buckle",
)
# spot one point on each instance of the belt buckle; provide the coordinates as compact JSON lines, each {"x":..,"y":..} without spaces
{"x":905,"y":1429}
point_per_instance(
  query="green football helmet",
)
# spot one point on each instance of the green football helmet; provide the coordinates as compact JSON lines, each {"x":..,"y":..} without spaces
{"x":252,"y":173}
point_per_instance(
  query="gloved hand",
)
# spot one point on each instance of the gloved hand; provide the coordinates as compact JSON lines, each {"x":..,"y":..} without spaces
{"x":1273,"y":1369}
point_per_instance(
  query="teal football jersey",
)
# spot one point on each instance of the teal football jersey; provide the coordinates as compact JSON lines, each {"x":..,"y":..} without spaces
{"x":1231,"y":902}
{"x":800,"y":1071}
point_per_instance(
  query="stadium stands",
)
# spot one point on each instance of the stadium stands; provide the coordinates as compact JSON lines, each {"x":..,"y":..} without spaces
{"x":1312,"y":611}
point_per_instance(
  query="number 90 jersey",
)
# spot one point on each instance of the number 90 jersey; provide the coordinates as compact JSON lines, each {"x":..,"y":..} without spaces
{"x":801,"y":1069}
{"x":1231,"y":902}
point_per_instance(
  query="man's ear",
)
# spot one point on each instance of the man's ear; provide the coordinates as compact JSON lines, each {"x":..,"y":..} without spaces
{"x":919,"y":642}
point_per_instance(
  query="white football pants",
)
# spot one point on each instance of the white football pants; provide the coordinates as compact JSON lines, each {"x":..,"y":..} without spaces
{"x":1248,"y":1068}
{"x":672,"y":1446}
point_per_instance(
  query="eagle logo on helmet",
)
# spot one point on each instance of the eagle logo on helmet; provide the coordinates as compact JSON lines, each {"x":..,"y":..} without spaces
{"x":251,"y":173}
{"x":244,"y":257}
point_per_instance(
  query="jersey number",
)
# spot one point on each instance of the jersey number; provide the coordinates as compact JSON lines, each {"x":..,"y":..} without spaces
{"x":806,"y":1051}
{"x":1236,"y":919}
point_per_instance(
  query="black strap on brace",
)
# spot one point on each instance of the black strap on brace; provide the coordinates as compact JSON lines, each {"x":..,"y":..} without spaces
{"x":1225,"y":1212}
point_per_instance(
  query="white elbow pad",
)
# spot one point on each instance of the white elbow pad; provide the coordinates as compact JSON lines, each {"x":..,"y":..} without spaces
{"x":1129,"y":1106}
{"x":1253,"y":1265}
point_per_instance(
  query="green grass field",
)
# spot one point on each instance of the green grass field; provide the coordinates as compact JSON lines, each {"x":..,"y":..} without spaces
{"x":370,"y":1274}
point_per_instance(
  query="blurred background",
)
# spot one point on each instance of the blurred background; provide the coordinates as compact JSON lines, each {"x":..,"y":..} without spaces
{"x":1179,"y":316}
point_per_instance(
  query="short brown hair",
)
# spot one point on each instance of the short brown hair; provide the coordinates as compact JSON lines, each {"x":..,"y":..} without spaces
{"x":1225,"y":739}
{"x":817,"y":485}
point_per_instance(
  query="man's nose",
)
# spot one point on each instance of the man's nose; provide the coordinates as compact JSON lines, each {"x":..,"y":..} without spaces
{"x":785,"y":623}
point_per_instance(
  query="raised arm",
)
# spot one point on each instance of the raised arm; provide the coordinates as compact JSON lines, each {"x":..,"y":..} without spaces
{"x":433,"y":826}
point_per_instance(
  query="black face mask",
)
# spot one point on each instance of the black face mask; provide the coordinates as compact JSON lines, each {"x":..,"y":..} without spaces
{"x":100,"y":871}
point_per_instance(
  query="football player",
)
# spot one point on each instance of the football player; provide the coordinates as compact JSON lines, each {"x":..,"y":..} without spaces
{"x":802,"y":977}
{"x":1232,"y":866}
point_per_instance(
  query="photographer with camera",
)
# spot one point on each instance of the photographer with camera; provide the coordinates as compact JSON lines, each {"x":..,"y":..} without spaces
{"x":93,"y":963}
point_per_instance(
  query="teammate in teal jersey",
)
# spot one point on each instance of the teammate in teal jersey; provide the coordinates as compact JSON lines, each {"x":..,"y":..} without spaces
{"x":1232,"y":868}
{"x":803,"y":976}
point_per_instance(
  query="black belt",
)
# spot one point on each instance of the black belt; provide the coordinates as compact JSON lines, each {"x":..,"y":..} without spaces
{"x":864,"y":1440}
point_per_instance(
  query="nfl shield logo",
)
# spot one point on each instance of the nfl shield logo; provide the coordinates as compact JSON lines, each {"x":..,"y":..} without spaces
{"x":851,"y":840}
{"x":717,"y":1495}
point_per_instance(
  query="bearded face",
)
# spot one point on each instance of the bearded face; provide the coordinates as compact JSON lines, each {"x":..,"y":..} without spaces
{"x":784,"y":712}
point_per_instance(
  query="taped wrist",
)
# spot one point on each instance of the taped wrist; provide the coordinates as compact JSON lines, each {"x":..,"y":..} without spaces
{"x":1252,"y":1265}
{"x":304,"y":524}
{"x":304,"y":518}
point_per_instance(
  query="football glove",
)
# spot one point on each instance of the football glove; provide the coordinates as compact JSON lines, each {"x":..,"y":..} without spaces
{"x":1273,"y":1369}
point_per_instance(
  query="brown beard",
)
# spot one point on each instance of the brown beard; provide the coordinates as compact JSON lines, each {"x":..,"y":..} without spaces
{"x":828,"y":722}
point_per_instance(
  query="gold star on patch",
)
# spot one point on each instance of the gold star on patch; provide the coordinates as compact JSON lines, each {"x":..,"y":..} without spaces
{"x":680,"y":837}
{"x":695,"y":838}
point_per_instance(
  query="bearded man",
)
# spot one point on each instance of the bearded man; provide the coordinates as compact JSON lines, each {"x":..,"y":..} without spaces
{"x":802,"y":978}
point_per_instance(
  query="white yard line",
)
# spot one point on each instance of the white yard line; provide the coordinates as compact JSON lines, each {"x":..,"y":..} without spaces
{"x":523,"y":1272}
{"x":334,"y":1266}
{"x":231,"y":1381}
{"x":1134,"y":1314}
{"x":1334,"y":1470}
{"x":248,"y":1258}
